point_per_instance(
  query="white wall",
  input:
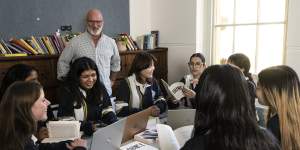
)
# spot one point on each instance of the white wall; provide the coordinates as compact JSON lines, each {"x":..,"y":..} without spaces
{"x":176,"y":22}
{"x":293,"y":36}
{"x":139,"y":16}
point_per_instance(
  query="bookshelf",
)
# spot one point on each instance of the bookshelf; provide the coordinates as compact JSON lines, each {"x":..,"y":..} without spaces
{"x":46,"y":64}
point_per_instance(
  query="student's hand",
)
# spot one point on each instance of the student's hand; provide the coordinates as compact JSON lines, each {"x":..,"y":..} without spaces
{"x":188,"y":92}
{"x":77,"y":143}
{"x":42,"y":133}
{"x":194,"y":81}
{"x":154,"y":111}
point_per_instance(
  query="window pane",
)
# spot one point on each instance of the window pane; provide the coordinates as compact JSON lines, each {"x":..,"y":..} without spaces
{"x":224,"y":11}
{"x":246,"y":11}
{"x":245,"y":42}
{"x":272,"y":10}
{"x":223,"y":43}
{"x":270,"y":46}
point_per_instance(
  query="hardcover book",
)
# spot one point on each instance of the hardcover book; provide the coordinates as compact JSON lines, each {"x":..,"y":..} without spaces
{"x":174,"y":91}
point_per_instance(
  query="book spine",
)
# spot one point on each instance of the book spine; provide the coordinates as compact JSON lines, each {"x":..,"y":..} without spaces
{"x":13,"y":49}
{"x":20,"y":48}
{"x":52,"y":44}
{"x":41,"y":43}
{"x":44,"y":39}
{"x":28,"y":47}
{"x":2,"y":50}
{"x":5,"y":47}
{"x":14,"y":55}
{"x":37,"y":45}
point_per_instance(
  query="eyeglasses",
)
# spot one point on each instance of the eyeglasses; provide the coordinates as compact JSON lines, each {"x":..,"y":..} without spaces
{"x":197,"y":64}
{"x":95,"y":21}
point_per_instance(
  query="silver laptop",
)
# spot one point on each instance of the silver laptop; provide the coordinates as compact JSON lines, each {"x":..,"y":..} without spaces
{"x":109,"y":137}
{"x":180,"y":117}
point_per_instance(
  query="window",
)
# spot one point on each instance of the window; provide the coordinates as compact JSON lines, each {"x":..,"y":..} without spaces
{"x":253,"y":27}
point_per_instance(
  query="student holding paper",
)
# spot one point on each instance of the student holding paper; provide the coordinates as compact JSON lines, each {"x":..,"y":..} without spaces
{"x":140,"y":90}
{"x":84,"y":97}
{"x":196,"y":66}
{"x":223,"y":114}
{"x":22,"y":105}
{"x":23,"y":72}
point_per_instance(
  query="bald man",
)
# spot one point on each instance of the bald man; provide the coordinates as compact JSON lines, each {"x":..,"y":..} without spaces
{"x":93,"y":43}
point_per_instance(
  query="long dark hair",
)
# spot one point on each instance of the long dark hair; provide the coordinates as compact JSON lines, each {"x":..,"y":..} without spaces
{"x":18,"y":72}
{"x":280,"y":88}
{"x":224,"y":112}
{"x":16,"y":121}
{"x":141,"y":61}
{"x":243,"y":62}
{"x":73,"y":81}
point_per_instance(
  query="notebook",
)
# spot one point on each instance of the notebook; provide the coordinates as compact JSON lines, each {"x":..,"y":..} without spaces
{"x":62,"y":131}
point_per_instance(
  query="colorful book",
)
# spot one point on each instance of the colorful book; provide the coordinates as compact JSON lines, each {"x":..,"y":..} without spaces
{"x":14,"y":55}
{"x":29,"y":47}
{"x":5,"y":47}
{"x":38,"y":47}
{"x":41,"y":43}
{"x":20,"y":48}
{"x":24,"y":45}
{"x":132,"y":42}
{"x":2,"y":50}
{"x":48,"y":45}
{"x":54,"y":44}
{"x":14,"y":49}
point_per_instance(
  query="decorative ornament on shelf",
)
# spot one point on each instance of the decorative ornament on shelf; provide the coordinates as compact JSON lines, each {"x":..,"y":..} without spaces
{"x":121,"y":44}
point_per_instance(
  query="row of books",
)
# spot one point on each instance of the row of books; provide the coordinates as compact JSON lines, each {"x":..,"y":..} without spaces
{"x":44,"y":45}
{"x":148,"y":41}
{"x":128,"y":41}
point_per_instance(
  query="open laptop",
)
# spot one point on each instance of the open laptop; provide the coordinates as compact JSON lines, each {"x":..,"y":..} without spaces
{"x":135,"y":123}
{"x":109,"y":137}
{"x":180,"y":117}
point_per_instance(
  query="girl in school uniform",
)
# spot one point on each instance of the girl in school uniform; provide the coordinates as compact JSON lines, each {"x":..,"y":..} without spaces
{"x":22,"y":105}
{"x":84,"y":97}
{"x":196,"y":66}
{"x":243,"y":63}
{"x":278,"y":87}
{"x":23,"y":72}
{"x":223,"y":115}
{"x":140,"y":90}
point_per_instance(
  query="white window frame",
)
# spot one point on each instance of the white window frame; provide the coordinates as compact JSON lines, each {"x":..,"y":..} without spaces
{"x":214,"y":26}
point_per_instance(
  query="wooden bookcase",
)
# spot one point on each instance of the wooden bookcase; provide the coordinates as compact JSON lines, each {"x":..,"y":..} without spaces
{"x":46,"y":64}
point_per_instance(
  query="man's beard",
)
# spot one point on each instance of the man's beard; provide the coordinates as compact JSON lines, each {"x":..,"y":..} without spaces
{"x":94,"y":32}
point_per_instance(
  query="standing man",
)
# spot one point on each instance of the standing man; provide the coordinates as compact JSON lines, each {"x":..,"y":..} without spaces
{"x":95,"y":45}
